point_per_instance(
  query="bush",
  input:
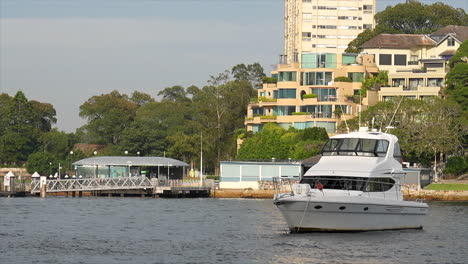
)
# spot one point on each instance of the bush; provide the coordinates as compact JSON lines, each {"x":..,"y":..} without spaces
{"x":456,"y":165}
{"x":268,"y":117}
{"x":264,"y":99}
{"x":267,"y":79}
{"x":40,"y":162}
{"x":299,"y":113}
{"x":305,"y":96}
{"x":343,"y":79}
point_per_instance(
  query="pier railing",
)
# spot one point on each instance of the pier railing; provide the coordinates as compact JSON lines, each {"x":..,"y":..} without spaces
{"x":121,"y":183}
{"x":94,"y":184}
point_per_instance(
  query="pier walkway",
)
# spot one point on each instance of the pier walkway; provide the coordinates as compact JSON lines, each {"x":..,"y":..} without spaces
{"x":155,"y":186}
{"x":80,"y":185}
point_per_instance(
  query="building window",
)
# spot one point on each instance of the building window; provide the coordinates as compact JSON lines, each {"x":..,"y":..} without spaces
{"x":285,"y":125}
{"x":345,"y":109}
{"x":400,"y":59}
{"x":385,"y":59}
{"x":329,"y":126}
{"x":434,"y":65}
{"x":307,"y":16}
{"x":367,"y":26}
{"x":258,"y":111}
{"x":287,"y":77}
{"x":283,"y":110}
{"x":303,"y":125}
{"x":414,"y":60}
{"x":349,"y":18}
{"x":367,"y":9}
{"x":318,"y":60}
{"x":324,"y":26}
{"x":325,"y":94}
{"x":415,"y":82}
{"x":450,"y":42}
{"x":356,"y":76}
{"x":257,"y":128}
{"x":307,"y":1}
{"x":326,"y":17}
{"x":316,"y":78}
{"x":349,"y":59}
{"x":318,"y":111}
{"x":398,"y":82}
{"x":286,"y":93}
{"x":435,"y":82}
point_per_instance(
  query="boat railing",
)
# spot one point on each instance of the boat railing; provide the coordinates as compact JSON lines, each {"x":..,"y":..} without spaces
{"x":281,"y":185}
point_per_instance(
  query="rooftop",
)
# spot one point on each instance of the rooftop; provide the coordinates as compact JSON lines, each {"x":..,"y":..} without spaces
{"x":130,"y":161}
{"x":398,"y":41}
{"x":458,"y":32}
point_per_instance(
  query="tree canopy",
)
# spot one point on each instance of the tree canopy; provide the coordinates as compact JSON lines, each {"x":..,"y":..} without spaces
{"x":178,"y":122}
{"x":23,"y":123}
{"x":423,"y":127}
{"x":281,"y":144}
{"x":411,"y":17}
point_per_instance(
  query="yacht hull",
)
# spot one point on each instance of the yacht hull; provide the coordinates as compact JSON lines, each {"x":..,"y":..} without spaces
{"x":306,"y":216}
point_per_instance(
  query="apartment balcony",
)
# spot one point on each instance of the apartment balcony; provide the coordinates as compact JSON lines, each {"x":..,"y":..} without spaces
{"x":270,"y":85}
{"x":295,"y":117}
{"x":408,"y":91}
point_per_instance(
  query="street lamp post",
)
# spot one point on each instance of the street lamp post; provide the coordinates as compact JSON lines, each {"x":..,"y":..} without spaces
{"x":71,"y":160}
{"x":95,"y":169}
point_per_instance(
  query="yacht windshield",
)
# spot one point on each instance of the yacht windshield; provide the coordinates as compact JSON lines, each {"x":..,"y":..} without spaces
{"x":350,"y":183}
{"x":355,"y":147}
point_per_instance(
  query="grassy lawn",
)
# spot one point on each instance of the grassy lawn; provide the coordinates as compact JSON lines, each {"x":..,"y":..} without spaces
{"x":448,"y":186}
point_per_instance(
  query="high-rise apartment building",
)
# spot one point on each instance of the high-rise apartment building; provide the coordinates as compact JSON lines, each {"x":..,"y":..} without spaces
{"x":305,"y":90}
{"x":324,"y":25}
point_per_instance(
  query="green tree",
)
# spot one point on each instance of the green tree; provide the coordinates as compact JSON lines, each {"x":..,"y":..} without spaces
{"x":281,"y":144}
{"x":175,"y":93}
{"x":412,"y":17}
{"x":456,"y":79}
{"x":57,"y":143}
{"x":252,"y":73}
{"x":423,"y":127}
{"x":140,"y":98}
{"x":184,"y":147}
{"x":20,"y":132}
{"x":108,"y":115}
{"x":40,"y":162}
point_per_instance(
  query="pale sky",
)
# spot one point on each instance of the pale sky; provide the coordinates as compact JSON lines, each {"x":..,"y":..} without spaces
{"x":65,"y":51}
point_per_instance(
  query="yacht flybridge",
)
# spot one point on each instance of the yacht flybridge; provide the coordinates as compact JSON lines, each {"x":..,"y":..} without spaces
{"x":354,"y":187}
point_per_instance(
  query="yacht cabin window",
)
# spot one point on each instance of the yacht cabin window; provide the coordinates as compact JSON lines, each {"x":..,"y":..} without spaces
{"x":350,"y":183}
{"x":355,"y":147}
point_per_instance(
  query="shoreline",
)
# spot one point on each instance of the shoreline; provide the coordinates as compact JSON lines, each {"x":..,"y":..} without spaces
{"x":427,"y":195}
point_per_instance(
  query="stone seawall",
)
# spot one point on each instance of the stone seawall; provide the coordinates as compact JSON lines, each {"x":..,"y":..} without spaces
{"x":428,"y":195}
{"x":17,"y":171}
{"x":437,"y":195}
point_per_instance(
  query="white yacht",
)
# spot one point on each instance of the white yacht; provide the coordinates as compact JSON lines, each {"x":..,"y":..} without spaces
{"x":354,"y":187}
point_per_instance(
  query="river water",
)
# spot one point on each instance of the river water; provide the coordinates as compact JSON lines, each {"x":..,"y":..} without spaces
{"x":144,"y":230}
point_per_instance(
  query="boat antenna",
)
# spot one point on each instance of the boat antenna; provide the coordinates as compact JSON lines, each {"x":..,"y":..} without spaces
{"x":394,"y":113}
{"x":344,"y":117}
{"x":359,"y":114}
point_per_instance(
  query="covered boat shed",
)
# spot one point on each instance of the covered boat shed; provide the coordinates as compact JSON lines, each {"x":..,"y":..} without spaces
{"x":124,"y":166}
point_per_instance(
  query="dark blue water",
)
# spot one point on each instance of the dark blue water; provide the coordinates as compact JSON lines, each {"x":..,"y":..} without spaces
{"x":134,"y":230}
